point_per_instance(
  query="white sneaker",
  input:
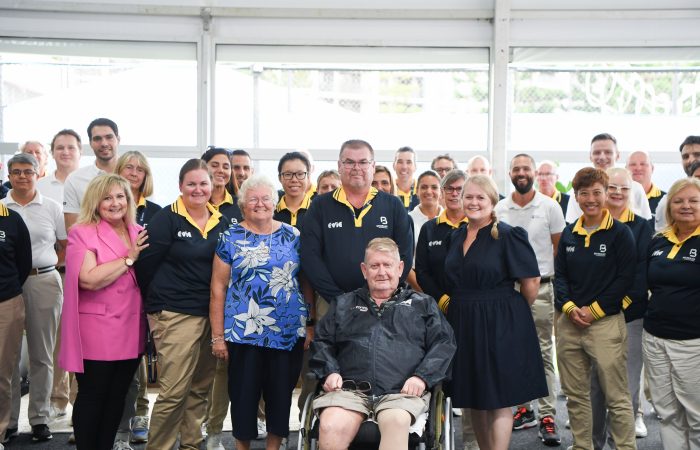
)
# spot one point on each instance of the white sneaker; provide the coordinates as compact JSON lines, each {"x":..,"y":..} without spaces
{"x":568,"y":424}
{"x":262,"y":429}
{"x":121,"y":445}
{"x":57,"y":412}
{"x":640,"y":430}
{"x":204,"y":429}
{"x":457,"y":412}
{"x":471,"y":445}
{"x":214,"y":442}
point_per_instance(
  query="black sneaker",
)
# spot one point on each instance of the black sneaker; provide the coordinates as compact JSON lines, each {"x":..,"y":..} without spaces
{"x":548,"y":432}
{"x":41,"y":432}
{"x":524,"y":419}
{"x":10,"y":433}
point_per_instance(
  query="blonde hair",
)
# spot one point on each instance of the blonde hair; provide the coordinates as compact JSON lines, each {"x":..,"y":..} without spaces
{"x":146,"y":188}
{"x":675,"y":189}
{"x":96,"y":191}
{"x":491,"y":190}
{"x":384,"y":245}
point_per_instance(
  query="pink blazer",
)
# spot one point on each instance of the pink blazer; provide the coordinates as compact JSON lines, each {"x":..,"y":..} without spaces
{"x":104,"y":325}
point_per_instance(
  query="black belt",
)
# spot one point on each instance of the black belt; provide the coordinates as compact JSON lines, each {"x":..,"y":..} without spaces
{"x":545,"y":279}
{"x":40,"y":270}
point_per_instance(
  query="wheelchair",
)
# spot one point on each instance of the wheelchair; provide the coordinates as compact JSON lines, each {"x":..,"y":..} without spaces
{"x":437,"y":432}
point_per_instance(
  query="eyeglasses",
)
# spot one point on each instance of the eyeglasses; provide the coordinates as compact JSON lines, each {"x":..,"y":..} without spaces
{"x":25,"y":172}
{"x":350,"y":164}
{"x":254,"y":201}
{"x":290,"y":175}
{"x":546,"y":174}
{"x":616,"y":188}
{"x":363,"y":387}
{"x":452,"y":190}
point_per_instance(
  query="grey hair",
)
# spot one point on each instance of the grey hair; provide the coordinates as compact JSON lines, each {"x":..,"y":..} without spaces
{"x":452,"y":176}
{"x":23,"y":158}
{"x":256,"y":181}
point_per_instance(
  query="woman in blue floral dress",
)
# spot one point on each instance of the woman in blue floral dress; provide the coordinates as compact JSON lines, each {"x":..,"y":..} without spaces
{"x":259,"y":314}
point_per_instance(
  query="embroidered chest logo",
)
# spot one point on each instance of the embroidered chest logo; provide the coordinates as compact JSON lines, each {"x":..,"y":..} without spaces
{"x":570,"y":249}
{"x":434,"y":243}
{"x":602,"y":250}
{"x":406,"y":302}
{"x":184,"y":234}
{"x":383,"y":223}
{"x":658,"y":253}
{"x":2,"y":236}
{"x":691,"y":255}
{"x":361,"y":308}
{"x":335,"y":224}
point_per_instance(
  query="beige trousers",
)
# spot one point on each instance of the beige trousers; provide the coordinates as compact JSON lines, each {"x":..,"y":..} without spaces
{"x":604,"y":344}
{"x":186,"y":374}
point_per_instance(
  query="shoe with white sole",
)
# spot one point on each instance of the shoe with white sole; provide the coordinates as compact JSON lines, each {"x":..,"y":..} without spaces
{"x":640,"y":429}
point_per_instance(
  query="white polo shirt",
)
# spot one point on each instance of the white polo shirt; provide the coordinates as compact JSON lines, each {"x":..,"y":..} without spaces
{"x":50,"y":187}
{"x":638,"y":204}
{"x":75,"y":186}
{"x":541,"y":218}
{"x":44,"y":219}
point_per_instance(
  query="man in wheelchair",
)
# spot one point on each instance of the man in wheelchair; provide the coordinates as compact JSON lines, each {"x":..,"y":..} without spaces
{"x":378,"y":350}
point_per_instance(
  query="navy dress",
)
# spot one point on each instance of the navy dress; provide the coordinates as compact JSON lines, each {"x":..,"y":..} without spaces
{"x":498,"y":363}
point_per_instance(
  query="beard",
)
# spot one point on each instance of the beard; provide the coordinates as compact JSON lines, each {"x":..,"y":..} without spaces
{"x":523,"y":189}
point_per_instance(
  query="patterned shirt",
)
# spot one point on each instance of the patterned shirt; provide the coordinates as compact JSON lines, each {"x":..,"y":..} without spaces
{"x":264,"y":305}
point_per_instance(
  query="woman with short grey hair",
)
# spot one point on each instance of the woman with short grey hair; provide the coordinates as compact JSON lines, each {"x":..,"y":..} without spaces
{"x":258,"y":314}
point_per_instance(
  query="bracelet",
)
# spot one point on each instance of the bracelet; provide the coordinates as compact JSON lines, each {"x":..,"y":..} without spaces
{"x":217,"y":339}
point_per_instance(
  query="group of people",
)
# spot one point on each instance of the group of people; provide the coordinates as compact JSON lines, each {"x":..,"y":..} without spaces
{"x":380,"y":284}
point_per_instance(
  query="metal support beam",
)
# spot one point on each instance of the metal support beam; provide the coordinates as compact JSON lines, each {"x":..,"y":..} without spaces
{"x":205,"y":62}
{"x":499,"y":57}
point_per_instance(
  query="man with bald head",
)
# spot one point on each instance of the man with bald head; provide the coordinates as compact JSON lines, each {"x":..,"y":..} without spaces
{"x":479,"y":165}
{"x":640,"y":166}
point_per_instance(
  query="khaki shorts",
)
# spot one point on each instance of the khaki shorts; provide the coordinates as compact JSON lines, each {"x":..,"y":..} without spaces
{"x":355,"y":401}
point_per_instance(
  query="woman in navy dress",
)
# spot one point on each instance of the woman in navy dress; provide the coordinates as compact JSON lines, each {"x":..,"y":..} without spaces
{"x":498,"y":362}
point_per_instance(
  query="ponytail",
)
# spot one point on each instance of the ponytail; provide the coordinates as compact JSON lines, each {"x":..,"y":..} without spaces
{"x":494,"y":227}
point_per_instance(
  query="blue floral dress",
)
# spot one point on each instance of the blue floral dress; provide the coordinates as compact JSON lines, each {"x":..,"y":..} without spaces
{"x":264,"y":305}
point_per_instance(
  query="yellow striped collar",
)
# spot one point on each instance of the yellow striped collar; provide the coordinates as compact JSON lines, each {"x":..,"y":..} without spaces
{"x":141,"y":202}
{"x":406,"y":196}
{"x":626,"y":216}
{"x":179,"y":208}
{"x":556,"y":196}
{"x":228,"y":198}
{"x":653,"y":192}
{"x":340,"y":196}
{"x":305,"y":203}
{"x":4,"y":212}
{"x":670,"y":234}
{"x":442,"y":218}
{"x":605,"y":224}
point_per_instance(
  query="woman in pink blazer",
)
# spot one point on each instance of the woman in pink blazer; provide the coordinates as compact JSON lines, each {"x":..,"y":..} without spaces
{"x":102,"y":324}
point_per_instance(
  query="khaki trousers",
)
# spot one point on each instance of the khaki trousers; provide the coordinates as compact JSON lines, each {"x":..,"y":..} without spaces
{"x":11,"y":326}
{"x":673,"y":373}
{"x":43,"y":300}
{"x":543,"y":314}
{"x":186,"y":374}
{"x":603,"y":343}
